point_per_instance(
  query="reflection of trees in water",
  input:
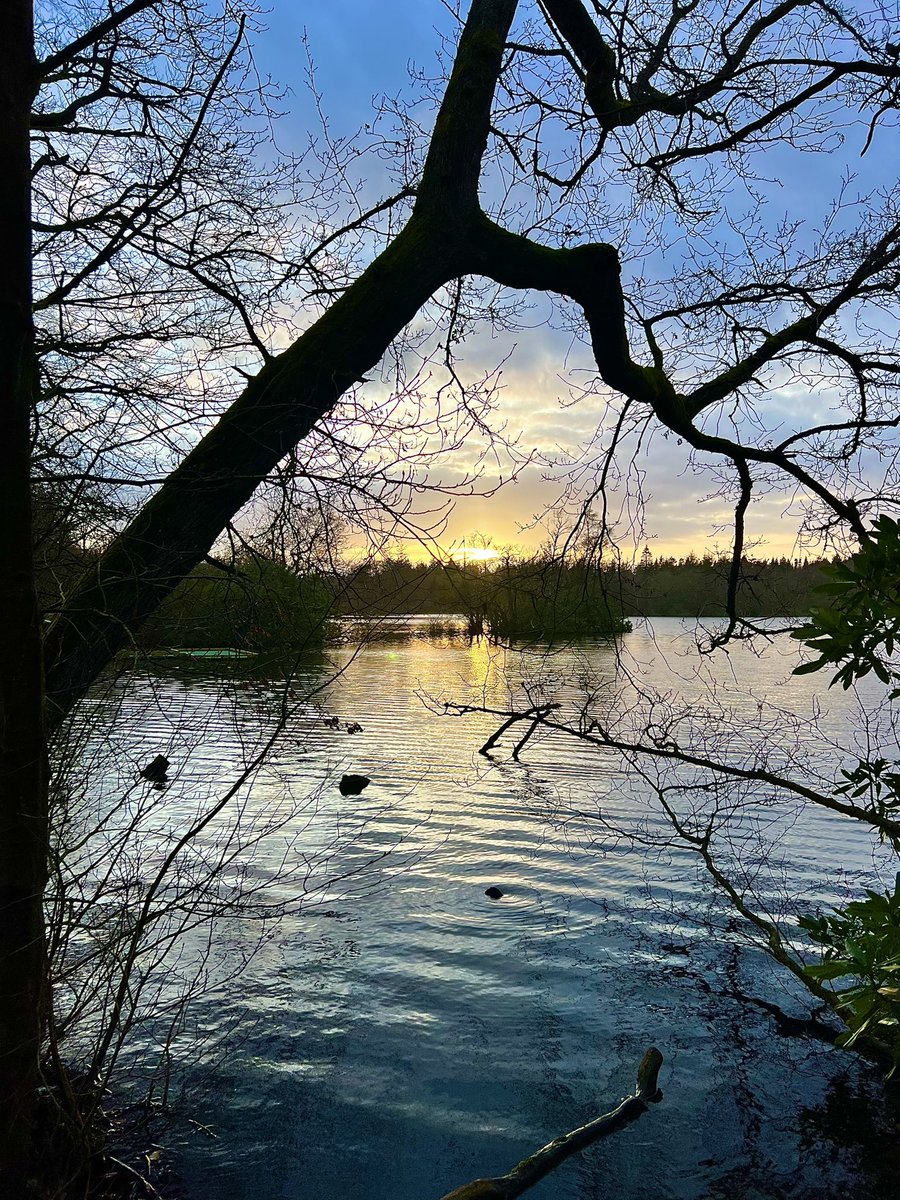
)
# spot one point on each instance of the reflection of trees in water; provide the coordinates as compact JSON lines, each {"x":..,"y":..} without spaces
{"x":857,"y":1123}
{"x":845,"y":1141}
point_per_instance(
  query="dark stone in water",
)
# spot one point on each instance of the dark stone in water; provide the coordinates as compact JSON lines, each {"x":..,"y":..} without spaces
{"x":494,"y":893}
{"x":155,"y":771}
{"x":673,"y":948}
{"x":352,"y":785}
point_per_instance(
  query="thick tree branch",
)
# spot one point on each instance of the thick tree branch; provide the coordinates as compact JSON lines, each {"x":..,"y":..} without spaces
{"x":595,"y":58}
{"x":281,"y":404}
{"x":449,"y":187}
{"x":590,"y":275}
{"x":277,"y":409}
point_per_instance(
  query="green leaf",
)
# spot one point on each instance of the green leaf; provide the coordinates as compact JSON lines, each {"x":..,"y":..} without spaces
{"x":833,"y":969}
{"x":808,"y":668}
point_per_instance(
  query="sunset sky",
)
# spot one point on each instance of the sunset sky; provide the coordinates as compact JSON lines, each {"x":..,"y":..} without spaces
{"x":362,"y":49}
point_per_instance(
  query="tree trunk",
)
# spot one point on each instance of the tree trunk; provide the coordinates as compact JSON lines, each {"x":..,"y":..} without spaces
{"x":23,"y":818}
{"x":280,"y":405}
{"x":277,"y":409}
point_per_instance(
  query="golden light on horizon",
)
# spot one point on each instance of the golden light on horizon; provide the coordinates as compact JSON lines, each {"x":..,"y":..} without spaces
{"x":473,"y":554}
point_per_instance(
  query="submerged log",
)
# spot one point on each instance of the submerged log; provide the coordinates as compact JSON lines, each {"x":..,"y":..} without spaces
{"x":532,"y":1169}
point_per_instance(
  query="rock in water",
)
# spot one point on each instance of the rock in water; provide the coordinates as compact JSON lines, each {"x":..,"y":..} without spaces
{"x":494,"y":893}
{"x":155,"y":771}
{"x":352,"y":785}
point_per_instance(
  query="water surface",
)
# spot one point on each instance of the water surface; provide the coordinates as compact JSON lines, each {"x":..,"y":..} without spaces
{"x":403,"y":1033}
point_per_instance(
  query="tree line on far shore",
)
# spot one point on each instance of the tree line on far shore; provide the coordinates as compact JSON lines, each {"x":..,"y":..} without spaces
{"x":257,"y":602}
{"x":588,"y":597}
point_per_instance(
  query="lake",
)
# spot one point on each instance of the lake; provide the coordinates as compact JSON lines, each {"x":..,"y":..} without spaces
{"x":396,"y":1032}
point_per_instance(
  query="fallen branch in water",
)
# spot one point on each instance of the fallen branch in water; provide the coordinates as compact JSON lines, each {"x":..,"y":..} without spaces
{"x":532,"y":1169}
{"x":538,"y":713}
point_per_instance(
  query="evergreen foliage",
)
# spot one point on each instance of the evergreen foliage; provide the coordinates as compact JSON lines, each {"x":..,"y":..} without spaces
{"x":256,"y":605}
{"x":520,"y":595}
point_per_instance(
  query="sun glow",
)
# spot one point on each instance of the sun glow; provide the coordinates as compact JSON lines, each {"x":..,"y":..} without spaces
{"x":473,"y":554}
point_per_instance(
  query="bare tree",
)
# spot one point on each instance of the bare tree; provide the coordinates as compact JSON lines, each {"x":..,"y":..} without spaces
{"x":687,"y":383}
{"x":600,"y":126}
